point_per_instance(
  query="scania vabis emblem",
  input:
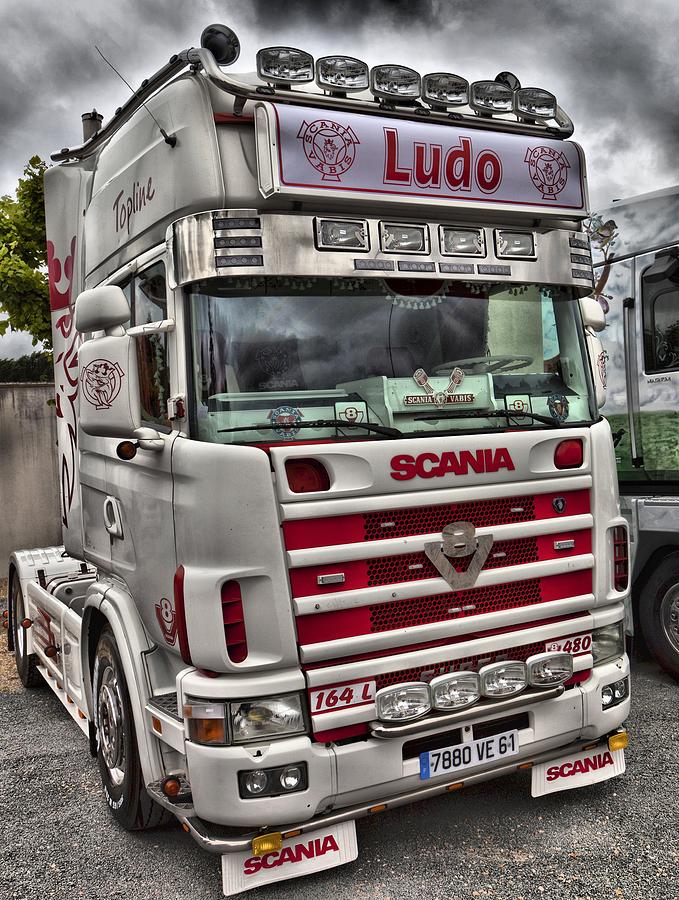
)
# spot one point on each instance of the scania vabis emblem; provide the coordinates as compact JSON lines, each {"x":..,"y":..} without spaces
{"x":548,"y":170}
{"x":329,"y":147}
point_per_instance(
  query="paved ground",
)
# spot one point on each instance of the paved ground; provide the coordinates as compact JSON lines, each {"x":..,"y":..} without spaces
{"x":615,"y":840}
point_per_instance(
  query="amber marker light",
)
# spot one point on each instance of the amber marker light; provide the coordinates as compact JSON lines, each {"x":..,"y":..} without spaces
{"x":267,"y":843}
{"x":126,"y":450}
{"x":618,"y":741}
{"x":171,"y":787}
{"x":157,"y":724}
{"x":379,"y":808}
{"x":455,"y":787}
{"x":26,"y":623}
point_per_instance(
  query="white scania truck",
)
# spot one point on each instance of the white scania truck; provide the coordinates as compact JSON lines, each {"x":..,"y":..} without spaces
{"x":340,"y":513}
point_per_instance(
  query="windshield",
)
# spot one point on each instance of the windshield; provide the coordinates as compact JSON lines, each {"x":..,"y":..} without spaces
{"x":298,"y":359}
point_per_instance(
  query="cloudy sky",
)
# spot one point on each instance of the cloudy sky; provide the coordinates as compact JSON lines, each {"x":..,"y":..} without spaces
{"x":611,"y":63}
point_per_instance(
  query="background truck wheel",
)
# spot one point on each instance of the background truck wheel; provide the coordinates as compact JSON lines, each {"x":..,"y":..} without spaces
{"x":27,"y":669}
{"x":117,"y":753}
{"x":659,"y":614}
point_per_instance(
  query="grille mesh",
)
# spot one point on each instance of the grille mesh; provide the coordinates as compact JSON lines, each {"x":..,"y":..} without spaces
{"x":437,"y":608}
{"x":429,"y":519}
{"x":414,"y":566}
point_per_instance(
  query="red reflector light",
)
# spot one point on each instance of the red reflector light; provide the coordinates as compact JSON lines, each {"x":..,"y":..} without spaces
{"x":180,"y":614}
{"x":569,"y":454}
{"x":306,"y":476}
{"x":234,"y":622}
{"x":620,"y":558}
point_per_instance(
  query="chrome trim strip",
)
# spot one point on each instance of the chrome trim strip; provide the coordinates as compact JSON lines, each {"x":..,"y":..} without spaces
{"x":470,"y":714}
{"x":387,"y":593}
{"x":345,"y":506}
{"x":318,"y":556}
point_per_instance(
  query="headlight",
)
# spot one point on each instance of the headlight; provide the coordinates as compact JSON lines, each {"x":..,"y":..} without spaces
{"x":403,"y":702}
{"x":253,"y":720}
{"x":454,"y":691}
{"x":503,"y":679}
{"x":608,"y":643}
{"x":549,"y":669}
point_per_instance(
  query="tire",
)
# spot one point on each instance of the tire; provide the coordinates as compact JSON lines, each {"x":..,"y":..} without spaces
{"x":26,"y":663}
{"x":117,"y":753}
{"x":659,"y":613}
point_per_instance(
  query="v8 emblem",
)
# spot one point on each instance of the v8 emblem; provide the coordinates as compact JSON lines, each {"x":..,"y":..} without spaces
{"x":459,"y":540}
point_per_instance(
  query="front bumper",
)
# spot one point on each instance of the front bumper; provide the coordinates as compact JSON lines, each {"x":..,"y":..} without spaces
{"x":346,"y":781}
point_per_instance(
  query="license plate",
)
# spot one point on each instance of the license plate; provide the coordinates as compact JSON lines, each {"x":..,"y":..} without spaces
{"x":464,"y":756}
{"x":306,"y":853}
{"x":576,"y":770}
{"x":581,"y":643}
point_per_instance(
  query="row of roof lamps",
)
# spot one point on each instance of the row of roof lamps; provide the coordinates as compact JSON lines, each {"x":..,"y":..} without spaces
{"x":340,"y":75}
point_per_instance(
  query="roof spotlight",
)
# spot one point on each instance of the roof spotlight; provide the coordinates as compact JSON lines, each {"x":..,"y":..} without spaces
{"x":285,"y":65}
{"x":395,"y":83}
{"x":534,"y":103}
{"x":441,"y":89}
{"x":489,"y":97}
{"x":341,"y":74}
{"x":222,"y":42}
{"x":509,"y":80}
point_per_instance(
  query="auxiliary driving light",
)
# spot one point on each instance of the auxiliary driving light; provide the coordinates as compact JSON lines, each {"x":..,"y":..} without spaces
{"x":285,"y":65}
{"x":503,"y":679}
{"x":535,"y":103}
{"x":395,"y":238}
{"x":615,"y":693}
{"x":342,"y":234}
{"x":403,"y":702}
{"x":490,"y":97}
{"x":395,"y":83}
{"x":455,"y":690}
{"x":342,"y":74}
{"x":462,"y":241}
{"x":443,"y":89}
{"x":273,"y":782}
{"x":514,"y":244}
{"x":549,"y":669}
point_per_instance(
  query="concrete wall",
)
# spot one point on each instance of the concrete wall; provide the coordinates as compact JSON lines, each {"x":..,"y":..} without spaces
{"x":29,"y":495}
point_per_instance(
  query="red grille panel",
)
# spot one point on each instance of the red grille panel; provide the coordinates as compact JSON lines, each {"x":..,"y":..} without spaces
{"x":440,"y":607}
{"x":428,"y":519}
{"x":413,"y":566}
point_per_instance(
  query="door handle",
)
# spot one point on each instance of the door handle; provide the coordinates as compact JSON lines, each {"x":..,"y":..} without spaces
{"x":113,"y":519}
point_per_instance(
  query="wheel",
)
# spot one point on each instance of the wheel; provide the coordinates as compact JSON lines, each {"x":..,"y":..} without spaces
{"x":659,"y":613}
{"x":477,"y":365}
{"x":26,"y":665}
{"x":117,"y":752}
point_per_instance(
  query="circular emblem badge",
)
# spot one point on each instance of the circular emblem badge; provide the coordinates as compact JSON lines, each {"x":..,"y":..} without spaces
{"x":285,"y":419}
{"x":558,"y":407}
{"x":548,"y":169}
{"x":101,"y":381}
{"x":329,"y":147}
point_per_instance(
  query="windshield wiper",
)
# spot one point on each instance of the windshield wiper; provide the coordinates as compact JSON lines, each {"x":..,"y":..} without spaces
{"x":320,"y":423}
{"x":490,"y":414}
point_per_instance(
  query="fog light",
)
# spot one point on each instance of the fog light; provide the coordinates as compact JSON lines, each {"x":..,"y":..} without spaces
{"x":291,"y":778}
{"x":549,"y":669}
{"x":267,"y":843}
{"x":462,"y":241}
{"x":396,"y":238}
{"x":454,"y":691}
{"x":514,"y":244}
{"x":615,"y":693}
{"x":256,"y":782}
{"x":503,"y":679}
{"x":403,"y":702}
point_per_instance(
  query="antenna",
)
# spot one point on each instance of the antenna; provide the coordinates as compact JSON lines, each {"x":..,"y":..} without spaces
{"x":170,"y":139}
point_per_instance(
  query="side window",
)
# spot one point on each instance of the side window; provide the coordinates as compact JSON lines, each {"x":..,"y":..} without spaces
{"x":150,"y":305}
{"x":660,"y":305}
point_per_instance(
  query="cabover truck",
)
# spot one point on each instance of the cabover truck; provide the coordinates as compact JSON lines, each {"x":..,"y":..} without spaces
{"x":636,"y":256}
{"x":340,"y":513}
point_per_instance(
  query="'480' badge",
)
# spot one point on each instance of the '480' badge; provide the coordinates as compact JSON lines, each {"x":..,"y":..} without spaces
{"x":548,"y":169}
{"x":329,"y":147}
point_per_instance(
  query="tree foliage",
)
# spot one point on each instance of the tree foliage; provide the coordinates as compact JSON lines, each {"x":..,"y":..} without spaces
{"x":36,"y":367}
{"x":24,"y":293}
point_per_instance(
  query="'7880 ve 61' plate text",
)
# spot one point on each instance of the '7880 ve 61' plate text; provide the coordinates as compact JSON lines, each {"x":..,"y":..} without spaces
{"x":465,"y":756}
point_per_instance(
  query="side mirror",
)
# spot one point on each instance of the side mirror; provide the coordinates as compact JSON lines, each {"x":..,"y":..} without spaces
{"x":593,"y":315}
{"x":108,"y":372}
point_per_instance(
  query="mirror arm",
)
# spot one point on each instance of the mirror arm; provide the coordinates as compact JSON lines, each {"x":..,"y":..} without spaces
{"x":149,"y":439}
{"x":152,"y":328}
